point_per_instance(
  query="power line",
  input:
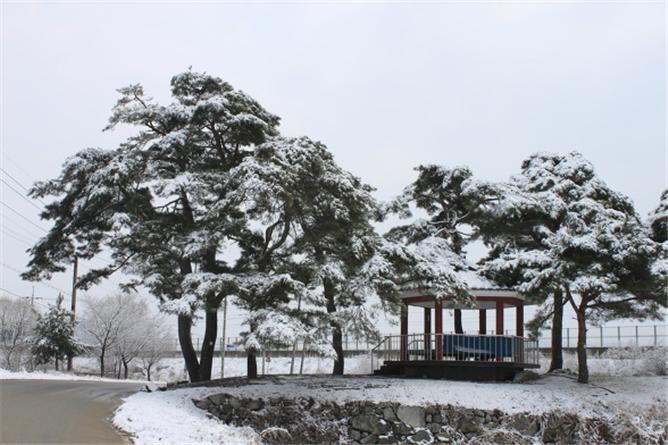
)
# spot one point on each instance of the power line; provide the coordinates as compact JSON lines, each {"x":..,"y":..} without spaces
{"x":23,"y":217}
{"x":19,"y":182}
{"x":15,"y":238}
{"x":12,"y":268}
{"x":6,"y":218}
{"x":17,"y":165}
{"x":21,"y":195}
{"x":12,"y":293}
{"x":34,"y":205}
{"x":14,"y":179}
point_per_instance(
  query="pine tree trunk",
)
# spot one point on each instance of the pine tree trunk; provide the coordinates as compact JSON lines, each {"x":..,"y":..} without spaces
{"x":337,"y":343}
{"x":125,"y":370}
{"x":459,"y":329}
{"x":208,"y":344}
{"x":56,"y":363}
{"x":557,"y":330}
{"x":583,"y":370}
{"x":251,"y":365}
{"x":337,"y":334}
{"x":187,"y":349}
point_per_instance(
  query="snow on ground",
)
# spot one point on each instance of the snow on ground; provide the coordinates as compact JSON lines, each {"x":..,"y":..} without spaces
{"x":55,"y":375}
{"x":173,"y":369}
{"x":171,"y":417}
{"x":602,"y":396}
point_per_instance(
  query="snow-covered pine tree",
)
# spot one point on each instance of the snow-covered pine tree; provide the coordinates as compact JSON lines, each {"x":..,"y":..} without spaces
{"x":658,"y":224}
{"x":165,"y":203}
{"x":658,"y":220}
{"x":457,"y":207}
{"x":328,"y":211}
{"x":54,"y":336}
{"x":586,"y":240}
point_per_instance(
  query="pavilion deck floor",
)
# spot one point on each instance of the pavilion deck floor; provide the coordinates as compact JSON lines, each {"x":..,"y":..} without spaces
{"x":454,"y":369}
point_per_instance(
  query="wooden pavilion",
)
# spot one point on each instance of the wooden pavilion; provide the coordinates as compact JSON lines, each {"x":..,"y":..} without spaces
{"x":439,"y":353}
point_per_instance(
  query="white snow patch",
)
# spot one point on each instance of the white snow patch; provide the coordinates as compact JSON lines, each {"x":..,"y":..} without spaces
{"x":602,"y":397}
{"x":54,"y":375}
{"x":170,"y":417}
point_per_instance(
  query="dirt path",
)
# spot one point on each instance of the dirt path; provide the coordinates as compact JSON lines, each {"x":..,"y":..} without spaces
{"x":52,"y":411}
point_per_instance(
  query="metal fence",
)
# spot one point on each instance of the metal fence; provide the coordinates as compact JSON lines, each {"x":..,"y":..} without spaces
{"x":597,"y":337}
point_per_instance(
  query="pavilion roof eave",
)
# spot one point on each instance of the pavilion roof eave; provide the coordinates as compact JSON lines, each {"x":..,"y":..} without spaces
{"x":475,"y":292}
{"x":484,"y":298}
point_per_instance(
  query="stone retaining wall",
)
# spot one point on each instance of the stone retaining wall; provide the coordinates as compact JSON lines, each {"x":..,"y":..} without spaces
{"x":307,"y":421}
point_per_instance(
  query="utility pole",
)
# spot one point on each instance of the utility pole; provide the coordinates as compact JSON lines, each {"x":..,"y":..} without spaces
{"x":74,"y":302}
{"x":223,"y":343}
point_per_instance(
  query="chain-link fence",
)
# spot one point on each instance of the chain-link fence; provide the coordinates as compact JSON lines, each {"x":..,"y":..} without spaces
{"x":597,"y":337}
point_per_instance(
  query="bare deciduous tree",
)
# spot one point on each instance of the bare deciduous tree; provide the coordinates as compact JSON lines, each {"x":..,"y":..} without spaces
{"x":105,"y":322}
{"x":17,"y":323}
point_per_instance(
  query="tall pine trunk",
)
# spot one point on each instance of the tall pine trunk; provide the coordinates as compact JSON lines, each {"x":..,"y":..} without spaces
{"x":251,"y":364}
{"x":557,"y":330}
{"x":459,"y":329}
{"x":208,"y":344}
{"x":337,"y":334}
{"x":125,"y":370}
{"x":583,"y":370}
{"x":187,"y":348}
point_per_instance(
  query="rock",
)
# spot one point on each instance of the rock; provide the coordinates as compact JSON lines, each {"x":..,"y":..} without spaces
{"x":369,"y":439}
{"x":255,"y":404}
{"x":441,"y":439}
{"x":275,"y":435}
{"x":421,"y":437}
{"x":234,"y":402}
{"x":437,"y":418}
{"x":434,"y":427}
{"x":387,"y":439}
{"x":468,"y":425}
{"x":217,"y":399}
{"x":525,"y":376}
{"x":412,"y":415}
{"x":502,"y":437}
{"x":389,"y":414}
{"x":523,"y":424}
{"x":369,"y":423}
{"x":354,"y":434}
{"x":401,"y":429}
{"x":204,"y":404}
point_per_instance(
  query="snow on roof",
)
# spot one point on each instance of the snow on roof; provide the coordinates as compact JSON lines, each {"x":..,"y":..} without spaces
{"x":474,"y":281}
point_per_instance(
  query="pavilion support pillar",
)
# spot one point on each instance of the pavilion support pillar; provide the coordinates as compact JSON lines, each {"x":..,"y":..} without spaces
{"x":482,"y":322}
{"x":499,"y":326}
{"x":403,"y":339}
{"x":438,"y":328}
{"x":519,"y":332}
{"x":459,"y":328}
{"x":427,"y":333}
{"x":499,"y":318}
{"x":519,"y":319}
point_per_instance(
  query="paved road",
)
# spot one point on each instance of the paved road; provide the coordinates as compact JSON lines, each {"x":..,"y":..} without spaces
{"x":52,"y":411}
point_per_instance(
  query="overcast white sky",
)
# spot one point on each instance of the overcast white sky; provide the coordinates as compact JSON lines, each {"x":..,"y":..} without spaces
{"x":386,"y":86}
